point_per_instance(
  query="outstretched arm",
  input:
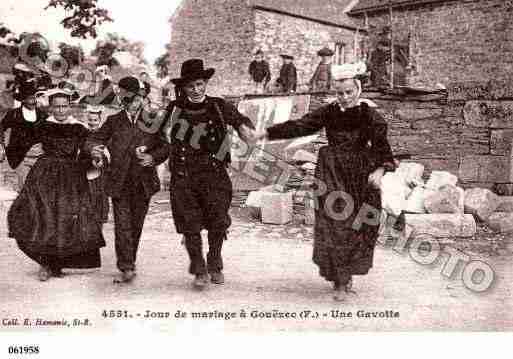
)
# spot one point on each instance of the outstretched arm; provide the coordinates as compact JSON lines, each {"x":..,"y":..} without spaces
{"x":305,"y":126}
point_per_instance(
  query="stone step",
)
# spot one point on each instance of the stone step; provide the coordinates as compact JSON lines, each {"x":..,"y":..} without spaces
{"x":276,"y":208}
{"x":442,"y":225}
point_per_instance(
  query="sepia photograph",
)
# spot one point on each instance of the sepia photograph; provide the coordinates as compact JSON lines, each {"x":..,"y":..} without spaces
{"x":254,"y":167}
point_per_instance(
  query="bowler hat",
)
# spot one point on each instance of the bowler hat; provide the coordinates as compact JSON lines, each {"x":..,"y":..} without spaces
{"x":131,"y":85}
{"x":325,"y":51}
{"x":288,"y":57}
{"x":193,"y":69}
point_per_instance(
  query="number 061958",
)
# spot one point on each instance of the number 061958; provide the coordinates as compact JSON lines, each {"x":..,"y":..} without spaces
{"x":23,"y":349}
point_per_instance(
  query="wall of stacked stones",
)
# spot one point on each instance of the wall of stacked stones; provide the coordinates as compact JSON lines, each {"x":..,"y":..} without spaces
{"x":468,"y":132}
{"x":222,"y":33}
{"x":277,"y":34}
{"x":456,"y":41}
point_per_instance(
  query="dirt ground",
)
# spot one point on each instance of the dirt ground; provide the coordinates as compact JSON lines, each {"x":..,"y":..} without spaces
{"x":268,"y":272}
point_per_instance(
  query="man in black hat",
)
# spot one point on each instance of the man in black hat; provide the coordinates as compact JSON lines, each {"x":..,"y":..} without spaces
{"x":260,"y":73}
{"x":288,"y":74}
{"x":321,"y":79}
{"x":132,"y":178}
{"x":201,"y":190}
{"x":380,"y":59}
{"x":22,"y":151}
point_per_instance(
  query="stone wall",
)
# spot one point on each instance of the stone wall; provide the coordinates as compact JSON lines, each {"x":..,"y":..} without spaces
{"x":222,"y":33}
{"x":456,"y":41}
{"x":471,"y":138}
{"x":226,"y":34}
{"x":277,"y":34}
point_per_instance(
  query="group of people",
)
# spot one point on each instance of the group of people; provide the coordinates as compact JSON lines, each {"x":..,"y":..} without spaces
{"x":287,"y":80}
{"x":54,"y":220}
{"x":261,"y":74}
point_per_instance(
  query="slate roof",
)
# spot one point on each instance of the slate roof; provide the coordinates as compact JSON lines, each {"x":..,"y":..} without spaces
{"x":376,"y":5}
{"x":324,"y":11}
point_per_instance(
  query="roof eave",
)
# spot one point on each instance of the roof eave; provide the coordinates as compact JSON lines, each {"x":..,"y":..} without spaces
{"x":386,"y":7}
{"x":329,"y":23}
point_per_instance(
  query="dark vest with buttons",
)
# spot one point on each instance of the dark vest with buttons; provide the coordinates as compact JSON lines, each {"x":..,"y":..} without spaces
{"x":197,"y":133}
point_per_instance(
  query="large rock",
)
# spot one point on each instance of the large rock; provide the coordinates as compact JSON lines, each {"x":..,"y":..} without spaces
{"x":494,"y":114}
{"x":506,"y":204}
{"x":481,"y":202}
{"x":442,"y":225}
{"x":276,"y":207}
{"x":411,"y":172}
{"x":486,"y":168}
{"x":501,"y":141}
{"x":254,"y":198}
{"x":447,"y":199}
{"x":439,"y":179}
{"x":415,"y":201}
{"x":409,"y":114}
{"x":503,"y":189}
{"x":501,"y":222}
{"x":393,"y":193}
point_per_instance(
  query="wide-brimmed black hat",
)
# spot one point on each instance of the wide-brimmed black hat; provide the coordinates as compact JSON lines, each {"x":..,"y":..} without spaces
{"x":191,"y":70}
{"x":288,"y":57}
{"x":27,"y":89}
{"x":325,"y":51}
{"x":131,"y":85}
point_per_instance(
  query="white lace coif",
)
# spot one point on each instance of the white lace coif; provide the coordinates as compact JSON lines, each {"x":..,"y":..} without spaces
{"x":348,"y":71}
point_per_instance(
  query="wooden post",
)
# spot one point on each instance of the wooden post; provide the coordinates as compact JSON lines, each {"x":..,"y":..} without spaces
{"x":391,"y":47}
{"x":355,"y":43}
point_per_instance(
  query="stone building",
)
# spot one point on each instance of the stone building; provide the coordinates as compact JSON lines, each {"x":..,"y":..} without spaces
{"x":226,"y":33}
{"x":451,"y":40}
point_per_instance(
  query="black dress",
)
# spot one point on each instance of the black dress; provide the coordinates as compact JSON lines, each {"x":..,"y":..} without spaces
{"x":357,"y":145}
{"x":53,"y":219}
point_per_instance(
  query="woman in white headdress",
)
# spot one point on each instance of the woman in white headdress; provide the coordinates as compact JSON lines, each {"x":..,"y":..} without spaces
{"x":348,"y":175}
{"x":53,"y":219}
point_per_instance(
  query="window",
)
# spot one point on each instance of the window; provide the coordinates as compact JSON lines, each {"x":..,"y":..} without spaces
{"x":340,"y":53}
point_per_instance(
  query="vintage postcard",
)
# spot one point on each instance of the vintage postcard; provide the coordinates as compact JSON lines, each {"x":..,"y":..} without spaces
{"x":254,"y":167}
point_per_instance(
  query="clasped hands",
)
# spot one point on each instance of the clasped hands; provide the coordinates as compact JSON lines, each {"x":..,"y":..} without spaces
{"x":98,"y":155}
{"x":251,"y":136}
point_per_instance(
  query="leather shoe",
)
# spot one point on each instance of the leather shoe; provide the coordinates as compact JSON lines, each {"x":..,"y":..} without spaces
{"x":201,"y":281}
{"x":57,"y":272}
{"x":44,"y":274}
{"x":217,"y":277}
{"x":125,"y":277}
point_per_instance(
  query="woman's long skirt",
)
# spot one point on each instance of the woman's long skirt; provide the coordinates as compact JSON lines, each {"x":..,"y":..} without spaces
{"x":53,"y":218}
{"x":341,"y":247}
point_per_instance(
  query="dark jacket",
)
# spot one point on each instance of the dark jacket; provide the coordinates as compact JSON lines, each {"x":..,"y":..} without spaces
{"x":22,"y":136}
{"x":259,"y":71}
{"x":215,"y":114}
{"x":121,"y":137}
{"x":288,"y":77}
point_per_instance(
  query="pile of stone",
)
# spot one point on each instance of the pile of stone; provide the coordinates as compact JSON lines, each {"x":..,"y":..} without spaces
{"x":439,"y":207}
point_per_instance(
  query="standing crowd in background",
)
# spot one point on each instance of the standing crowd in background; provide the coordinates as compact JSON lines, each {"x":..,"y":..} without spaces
{"x":287,"y":79}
